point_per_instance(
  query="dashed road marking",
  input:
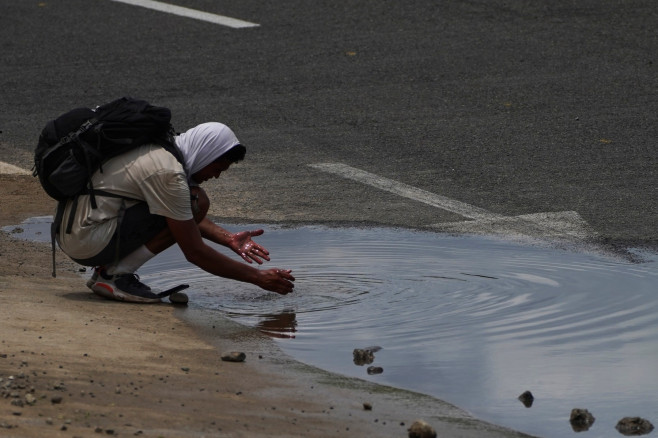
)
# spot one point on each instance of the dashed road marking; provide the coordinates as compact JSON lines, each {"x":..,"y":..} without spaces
{"x":190,"y":13}
{"x":555,"y":225}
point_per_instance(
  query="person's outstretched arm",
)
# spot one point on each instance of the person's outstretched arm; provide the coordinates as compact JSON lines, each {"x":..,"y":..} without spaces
{"x":188,"y":236}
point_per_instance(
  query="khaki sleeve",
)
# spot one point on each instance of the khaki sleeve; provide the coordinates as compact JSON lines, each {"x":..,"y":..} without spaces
{"x":168,"y":194}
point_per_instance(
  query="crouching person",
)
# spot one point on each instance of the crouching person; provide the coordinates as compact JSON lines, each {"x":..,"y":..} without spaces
{"x":153,"y":201}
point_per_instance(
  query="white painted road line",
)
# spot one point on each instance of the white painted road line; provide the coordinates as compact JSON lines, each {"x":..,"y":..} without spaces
{"x":407,"y":191}
{"x":557,"y":225}
{"x":190,"y":13}
{"x":10,"y":169}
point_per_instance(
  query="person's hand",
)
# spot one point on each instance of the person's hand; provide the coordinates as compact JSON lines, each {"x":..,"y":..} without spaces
{"x":277,"y":280}
{"x":246,"y":248}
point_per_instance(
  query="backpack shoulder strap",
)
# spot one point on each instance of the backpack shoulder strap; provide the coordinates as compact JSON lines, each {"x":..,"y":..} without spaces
{"x":54,"y":230}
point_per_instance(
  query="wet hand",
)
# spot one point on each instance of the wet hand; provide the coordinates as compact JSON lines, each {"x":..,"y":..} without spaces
{"x":246,"y":248}
{"x":277,"y":280}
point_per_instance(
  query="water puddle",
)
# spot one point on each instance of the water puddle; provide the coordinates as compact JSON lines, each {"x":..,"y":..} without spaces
{"x":471,"y":320}
{"x":36,"y":229}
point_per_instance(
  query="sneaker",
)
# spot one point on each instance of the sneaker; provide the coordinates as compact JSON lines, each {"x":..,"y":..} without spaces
{"x":123,"y":287}
{"x":94,"y":278}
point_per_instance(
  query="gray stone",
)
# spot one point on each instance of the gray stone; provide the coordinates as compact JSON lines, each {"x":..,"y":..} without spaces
{"x":581,"y":420}
{"x":363,"y":356}
{"x":420,"y":429}
{"x":30,"y":399}
{"x":527,"y":399}
{"x":375,"y":370}
{"x":633,"y":426}
{"x":179,"y":298}
{"x":234,"y":356}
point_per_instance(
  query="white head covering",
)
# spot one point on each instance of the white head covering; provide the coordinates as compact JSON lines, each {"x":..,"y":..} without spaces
{"x":203,"y":144}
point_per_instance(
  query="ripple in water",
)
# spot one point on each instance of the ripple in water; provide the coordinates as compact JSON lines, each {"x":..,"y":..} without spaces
{"x":470,"y":320}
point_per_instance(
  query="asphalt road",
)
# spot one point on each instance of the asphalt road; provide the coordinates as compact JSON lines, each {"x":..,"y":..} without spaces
{"x":511,"y":107}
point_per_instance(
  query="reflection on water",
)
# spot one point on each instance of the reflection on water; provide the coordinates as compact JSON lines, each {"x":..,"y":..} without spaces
{"x":470,"y":320}
{"x":279,"y":325}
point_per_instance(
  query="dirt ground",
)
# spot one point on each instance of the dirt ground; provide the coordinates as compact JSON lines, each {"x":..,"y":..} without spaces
{"x":75,"y":365}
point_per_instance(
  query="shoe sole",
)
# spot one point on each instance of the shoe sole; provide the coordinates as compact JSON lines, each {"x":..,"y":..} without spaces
{"x":102,"y":290}
{"x":107,"y":291}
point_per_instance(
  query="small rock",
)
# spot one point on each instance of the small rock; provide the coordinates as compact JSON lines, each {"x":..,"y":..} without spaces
{"x":234,"y":356}
{"x":420,"y":429}
{"x":527,"y":399}
{"x":179,"y":298}
{"x":367,"y":406}
{"x":57,"y":399}
{"x":363,"y":356}
{"x":30,"y":399}
{"x":581,"y":420}
{"x":186,"y":369}
{"x":375,"y":370}
{"x":634,"y":426}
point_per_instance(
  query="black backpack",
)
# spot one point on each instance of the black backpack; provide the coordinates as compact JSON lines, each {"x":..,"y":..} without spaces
{"x":75,"y":145}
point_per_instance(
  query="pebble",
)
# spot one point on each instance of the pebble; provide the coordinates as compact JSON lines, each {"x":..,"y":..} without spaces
{"x":30,"y":399}
{"x":375,"y":370}
{"x":634,"y":426}
{"x":527,"y":399}
{"x":234,"y":356}
{"x":363,"y":356}
{"x":420,"y":429}
{"x":179,"y":298}
{"x":581,"y":420}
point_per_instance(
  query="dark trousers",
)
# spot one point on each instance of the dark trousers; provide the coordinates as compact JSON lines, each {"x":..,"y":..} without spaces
{"x":137,"y":227}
